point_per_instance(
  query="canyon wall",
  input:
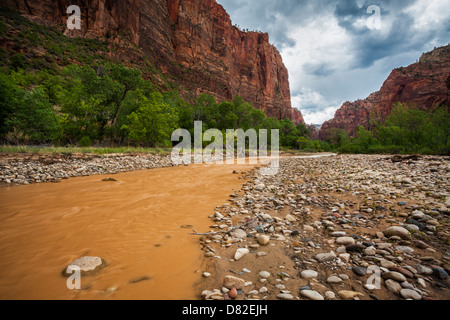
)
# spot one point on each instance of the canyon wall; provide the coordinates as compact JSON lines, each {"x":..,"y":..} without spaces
{"x":192,"y":41}
{"x":422,"y":84}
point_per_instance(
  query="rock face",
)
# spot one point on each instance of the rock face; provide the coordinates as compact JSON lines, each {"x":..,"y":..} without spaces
{"x":191,"y":41}
{"x":422,"y":84}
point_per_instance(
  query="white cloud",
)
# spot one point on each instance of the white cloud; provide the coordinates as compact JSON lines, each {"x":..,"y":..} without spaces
{"x":428,"y":13}
{"x":319,"y":116}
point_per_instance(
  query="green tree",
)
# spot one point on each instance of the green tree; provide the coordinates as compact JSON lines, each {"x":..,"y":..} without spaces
{"x":153,"y":122}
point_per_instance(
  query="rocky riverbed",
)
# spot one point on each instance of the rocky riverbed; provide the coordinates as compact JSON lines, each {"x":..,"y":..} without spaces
{"x":17,"y":169}
{"x":344,"y":227}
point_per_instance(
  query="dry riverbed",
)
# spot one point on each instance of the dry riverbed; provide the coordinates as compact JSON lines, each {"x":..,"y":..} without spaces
{"x":343,"y":227}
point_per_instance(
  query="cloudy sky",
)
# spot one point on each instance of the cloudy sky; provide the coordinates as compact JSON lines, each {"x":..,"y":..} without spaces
{"x":339,"y":51}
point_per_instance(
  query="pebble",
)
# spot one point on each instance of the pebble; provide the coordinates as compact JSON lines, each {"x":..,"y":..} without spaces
{"x":410,"y":294}
{"x":393,"y":286}
{"x":334,"y":280}
{"x":323,"y":257}
{"x":397,"y":231}
{"x":360,"y":271}
{"x":397,"y":276}
{"x":240,"y":253}
{"x":308,"y":274}
{"x":311,"y":294}
{"x":285,"y":296}
{"x":345,"y":241}
{"x":233,"y":293}
{"x":264,"y":274}
{"x":347,"y":294}
{"x":263,"y":240}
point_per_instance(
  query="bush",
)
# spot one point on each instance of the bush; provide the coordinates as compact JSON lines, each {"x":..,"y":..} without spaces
{"x":85,"y":141}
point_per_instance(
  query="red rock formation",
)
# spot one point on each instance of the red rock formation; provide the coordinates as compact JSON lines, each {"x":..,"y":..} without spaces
{"x":422,"y":84}
{"x":192,"y":41}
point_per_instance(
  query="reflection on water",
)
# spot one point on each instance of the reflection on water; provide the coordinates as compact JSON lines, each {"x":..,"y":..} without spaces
{"x":134,"y":224}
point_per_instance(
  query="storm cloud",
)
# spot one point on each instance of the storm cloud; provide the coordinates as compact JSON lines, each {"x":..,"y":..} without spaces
{"x":331,"y":50}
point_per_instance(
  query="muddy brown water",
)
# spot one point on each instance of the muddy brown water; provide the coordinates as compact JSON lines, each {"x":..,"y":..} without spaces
{"x":134,"y":224}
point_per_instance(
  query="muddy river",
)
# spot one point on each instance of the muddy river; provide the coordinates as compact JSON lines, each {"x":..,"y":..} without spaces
{"x":138,"y":224}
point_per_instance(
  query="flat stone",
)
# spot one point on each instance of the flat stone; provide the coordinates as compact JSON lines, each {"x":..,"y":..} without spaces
{"x":308,"y":274}
{"x":405,"y":249}
{"x":264,"y":274}
{"x":397,"y":231}
{"x":345,"y":241}
{"x":387,"y":263}
{"x":347,"y":294}
{"x":403,"y":271}
{"x":238,"y":233}
{"x":410,"y":294}
{"x":424,"y":270}
{"x":338,"y":234}
{"x":334,"y":280}
{"x":87,"y":265}
{"x":323,"y":257}
{"x":330,"y":295}
{"x":285,"y":296}
{"x":311,"y":294}
{"x":397,"y":276}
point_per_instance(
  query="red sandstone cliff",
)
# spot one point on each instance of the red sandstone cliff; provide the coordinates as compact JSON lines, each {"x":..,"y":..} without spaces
{"x":422,"y":84}
{"x":192,"y":41}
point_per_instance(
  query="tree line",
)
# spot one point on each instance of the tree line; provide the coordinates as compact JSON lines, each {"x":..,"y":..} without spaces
{"x":111,"y":104}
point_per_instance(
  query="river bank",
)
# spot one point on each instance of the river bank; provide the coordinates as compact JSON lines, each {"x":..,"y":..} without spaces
{"x":343,"y":227}
{"x":19,"y":169}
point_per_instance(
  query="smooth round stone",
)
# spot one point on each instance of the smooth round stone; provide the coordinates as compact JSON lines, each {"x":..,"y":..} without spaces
{"x":311,"y":294}
{"x":285,"y":296}
{"x":412,"y":228}
{"x":334,"y":280}
{"x":370,"y":251}
{"x":330,"y":295}
{"x":393,"y":286}
{"x":397,"y":276}
{"x":263,"y":240}
{"x":323,"y":257}
{"x":308,"y":274}
{"x":424,"y":270}
{"x":86,"y":265}
{"x":418,"y":214}
{"x":338,"y":234}
{"x":397,"y":231}
{"x":360,"y":271}
{"x":264,"y":274}
{"x":405,"y":249}
{"x":410,"y":294}
{"x":345,"y":241}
